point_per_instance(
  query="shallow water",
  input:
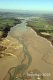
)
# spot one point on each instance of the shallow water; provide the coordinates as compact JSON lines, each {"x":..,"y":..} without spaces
{"x":37,"y":49}
{"x":17,"y":32}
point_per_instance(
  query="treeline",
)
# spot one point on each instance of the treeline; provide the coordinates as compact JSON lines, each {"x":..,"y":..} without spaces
{"x":6,"y":24}
{"x":39,"y":32}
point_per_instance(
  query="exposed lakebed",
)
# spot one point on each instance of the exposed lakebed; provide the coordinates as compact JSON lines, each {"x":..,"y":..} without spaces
{"x":37,"y":53}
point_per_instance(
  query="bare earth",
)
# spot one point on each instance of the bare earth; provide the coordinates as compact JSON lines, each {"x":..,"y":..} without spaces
{"x":39,"y":48}
{"x":11,"y":56}
{"x":41,"y":52}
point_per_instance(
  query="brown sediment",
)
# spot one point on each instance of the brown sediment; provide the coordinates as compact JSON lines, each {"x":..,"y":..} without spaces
{"x":48,"y":37}
{"x":12,"y":54}
{"x":39,"y":48}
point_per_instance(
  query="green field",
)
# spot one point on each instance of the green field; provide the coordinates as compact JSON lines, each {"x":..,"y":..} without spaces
{"x":41,"y":25}
{"x":7,"y":23}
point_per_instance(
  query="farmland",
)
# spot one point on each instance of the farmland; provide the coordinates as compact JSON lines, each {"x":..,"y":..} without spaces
{"x":43,"y":27}
{"x":6,"y":23}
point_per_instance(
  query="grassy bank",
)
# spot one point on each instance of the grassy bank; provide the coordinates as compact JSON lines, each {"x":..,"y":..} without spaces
{"x":43,"y":27}
{"x":6,"y":24}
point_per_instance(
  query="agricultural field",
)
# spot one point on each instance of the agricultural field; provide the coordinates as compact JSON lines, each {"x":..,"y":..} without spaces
{"x":6,"y":23}
{"x":43,"y":27}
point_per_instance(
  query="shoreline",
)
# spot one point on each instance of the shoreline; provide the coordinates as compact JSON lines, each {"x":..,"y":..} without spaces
{"x":37,"y":47}
{"x":48,"y":37}
{"x":8,"y":28}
